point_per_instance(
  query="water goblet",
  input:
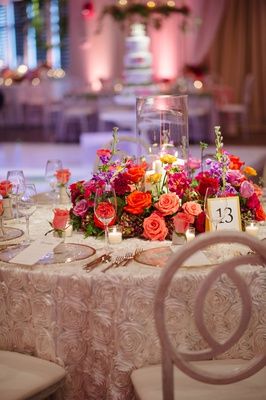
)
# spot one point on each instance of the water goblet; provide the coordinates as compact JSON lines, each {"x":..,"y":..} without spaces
{"x":27,"y":205}
{"x":105,"y":208}
{"x":215,"y":211}
{"x":17,"y":179}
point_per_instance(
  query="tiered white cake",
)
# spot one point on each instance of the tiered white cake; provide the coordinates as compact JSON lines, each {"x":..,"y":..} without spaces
{"x":138,"y":58}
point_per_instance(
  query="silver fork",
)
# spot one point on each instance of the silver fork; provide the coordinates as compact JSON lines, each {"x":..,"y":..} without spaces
{"x":115,"y":263}
{"x":131,"y":257}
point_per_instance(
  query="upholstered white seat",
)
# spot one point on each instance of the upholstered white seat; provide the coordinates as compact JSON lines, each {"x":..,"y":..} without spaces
{"x":199,"y":374}
{"x":26,"y":377}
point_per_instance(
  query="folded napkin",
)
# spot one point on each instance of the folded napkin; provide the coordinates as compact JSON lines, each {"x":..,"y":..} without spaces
{"x":36,"y":250}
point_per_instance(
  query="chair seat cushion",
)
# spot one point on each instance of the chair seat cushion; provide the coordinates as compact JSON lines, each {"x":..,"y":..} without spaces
{"x":23,"y":376}
{"x":147,"y":382}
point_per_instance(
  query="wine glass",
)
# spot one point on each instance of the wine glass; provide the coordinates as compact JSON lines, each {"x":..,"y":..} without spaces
{"x":27,"y":205}
{"x":17,"y":178}
{"x":105,"y":207}
{"x":215,"y":208}
{"x":50,"y":175}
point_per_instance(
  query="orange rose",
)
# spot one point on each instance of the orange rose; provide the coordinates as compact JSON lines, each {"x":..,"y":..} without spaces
{"x":5,"y":188}
{"x":249,"y":171}
{"x":260,"y":214}
{"x":182,"y":222}
{"x":137,"y":202}
{"x":168,"y":203}
{"x":154,"y":227}
{"x":62,"y":176}
{"x":235,"y":162}
{"x":60,"y":219}
{"x":135,"y":174}
{"x":192,"y":208}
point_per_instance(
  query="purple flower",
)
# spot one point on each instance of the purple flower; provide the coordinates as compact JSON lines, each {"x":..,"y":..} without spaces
{"x":246,"y":189}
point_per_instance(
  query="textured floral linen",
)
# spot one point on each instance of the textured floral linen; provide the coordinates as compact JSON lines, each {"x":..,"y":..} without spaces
{"x":100,"y":326}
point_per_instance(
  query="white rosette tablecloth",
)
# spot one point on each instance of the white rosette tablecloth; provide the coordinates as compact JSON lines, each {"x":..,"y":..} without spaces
{"x":100,"y":325}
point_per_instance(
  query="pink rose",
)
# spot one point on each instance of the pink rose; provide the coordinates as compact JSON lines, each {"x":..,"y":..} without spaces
{"x":154,"y":227}
{"x":182,"y":222}
{"x":61,"y":218}
{"x":246,"y":189}
{"x":193,"y":163}
{"x":168,"y":203}
{"x":80,"y":208}
{"x":192,"y":208}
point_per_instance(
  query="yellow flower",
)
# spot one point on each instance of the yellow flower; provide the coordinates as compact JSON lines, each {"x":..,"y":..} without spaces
{"x":168,"y":159}
{"x":154,"y":178}
{"x":249,"y":171}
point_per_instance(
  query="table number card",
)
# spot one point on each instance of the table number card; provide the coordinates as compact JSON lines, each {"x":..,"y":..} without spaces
{"x":225,"y":212}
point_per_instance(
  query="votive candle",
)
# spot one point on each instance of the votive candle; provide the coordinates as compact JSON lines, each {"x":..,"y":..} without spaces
{"x":114,"y":234}
{"x":252,"y":228}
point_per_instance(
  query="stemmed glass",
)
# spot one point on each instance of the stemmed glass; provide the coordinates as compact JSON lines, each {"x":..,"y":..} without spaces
{"x":215,"y":212}
{"x":17,"y":178}
{"x":105,"y":208}
{"x":2,"y":232}
{"x":27,"y":205}
{"x":50,"y":170}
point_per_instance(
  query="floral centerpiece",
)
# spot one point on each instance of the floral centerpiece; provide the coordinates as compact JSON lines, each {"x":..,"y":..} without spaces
{"x":153,"y":206}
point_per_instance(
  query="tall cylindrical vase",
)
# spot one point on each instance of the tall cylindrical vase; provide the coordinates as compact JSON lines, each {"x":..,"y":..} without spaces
{"x":164,"y":120}
{"x":63,"y":195}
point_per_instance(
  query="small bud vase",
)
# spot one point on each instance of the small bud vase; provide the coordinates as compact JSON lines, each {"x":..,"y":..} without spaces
{"x":179,"y":238}
{"x":7,"y":207}
{"x":63,"y":195}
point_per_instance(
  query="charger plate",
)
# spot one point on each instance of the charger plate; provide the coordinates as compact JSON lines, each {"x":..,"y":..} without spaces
{"x":10,"y":234}
{"x":158,"y":257}
{"x":64,"y":253}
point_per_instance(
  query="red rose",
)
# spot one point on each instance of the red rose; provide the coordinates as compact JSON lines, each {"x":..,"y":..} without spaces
{"x":5,"y":188}
{"x":253,"y":202}
{"x":200,"y":222}
{"x":260,"y":213}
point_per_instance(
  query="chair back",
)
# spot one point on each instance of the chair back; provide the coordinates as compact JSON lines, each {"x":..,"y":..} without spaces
{"x":182,"y":358}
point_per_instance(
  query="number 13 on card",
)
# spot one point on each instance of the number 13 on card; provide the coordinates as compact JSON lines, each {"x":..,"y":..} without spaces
{"x":223,"y":213}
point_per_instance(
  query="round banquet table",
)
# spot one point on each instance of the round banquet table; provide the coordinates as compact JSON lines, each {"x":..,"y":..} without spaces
{"x":100,"y":326}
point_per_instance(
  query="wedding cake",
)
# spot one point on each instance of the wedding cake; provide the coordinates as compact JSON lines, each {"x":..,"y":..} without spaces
{"x":137,"y":75}
{"x":138,"y":58}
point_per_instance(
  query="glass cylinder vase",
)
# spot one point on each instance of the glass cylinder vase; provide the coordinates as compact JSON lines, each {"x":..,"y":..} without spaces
{"x":164,"y":120}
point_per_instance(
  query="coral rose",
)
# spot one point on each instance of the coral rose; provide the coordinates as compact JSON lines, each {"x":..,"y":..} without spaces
{"x":62,"y":176}
{"x":135,"y":174}
{"x":182,"y":222}
{"x":137,"y":202}
{"x":105,"y":211}
{"x":155,"y":227}
{"x":60,"y":219}
{"x":168,"y":203}
{"x":192,"y":208}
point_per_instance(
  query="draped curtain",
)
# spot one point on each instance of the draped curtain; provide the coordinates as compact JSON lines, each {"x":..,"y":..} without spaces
{"x":239,"y":49}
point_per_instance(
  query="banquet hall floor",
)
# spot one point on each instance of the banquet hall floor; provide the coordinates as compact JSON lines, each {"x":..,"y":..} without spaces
{"x":32,"y":157}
